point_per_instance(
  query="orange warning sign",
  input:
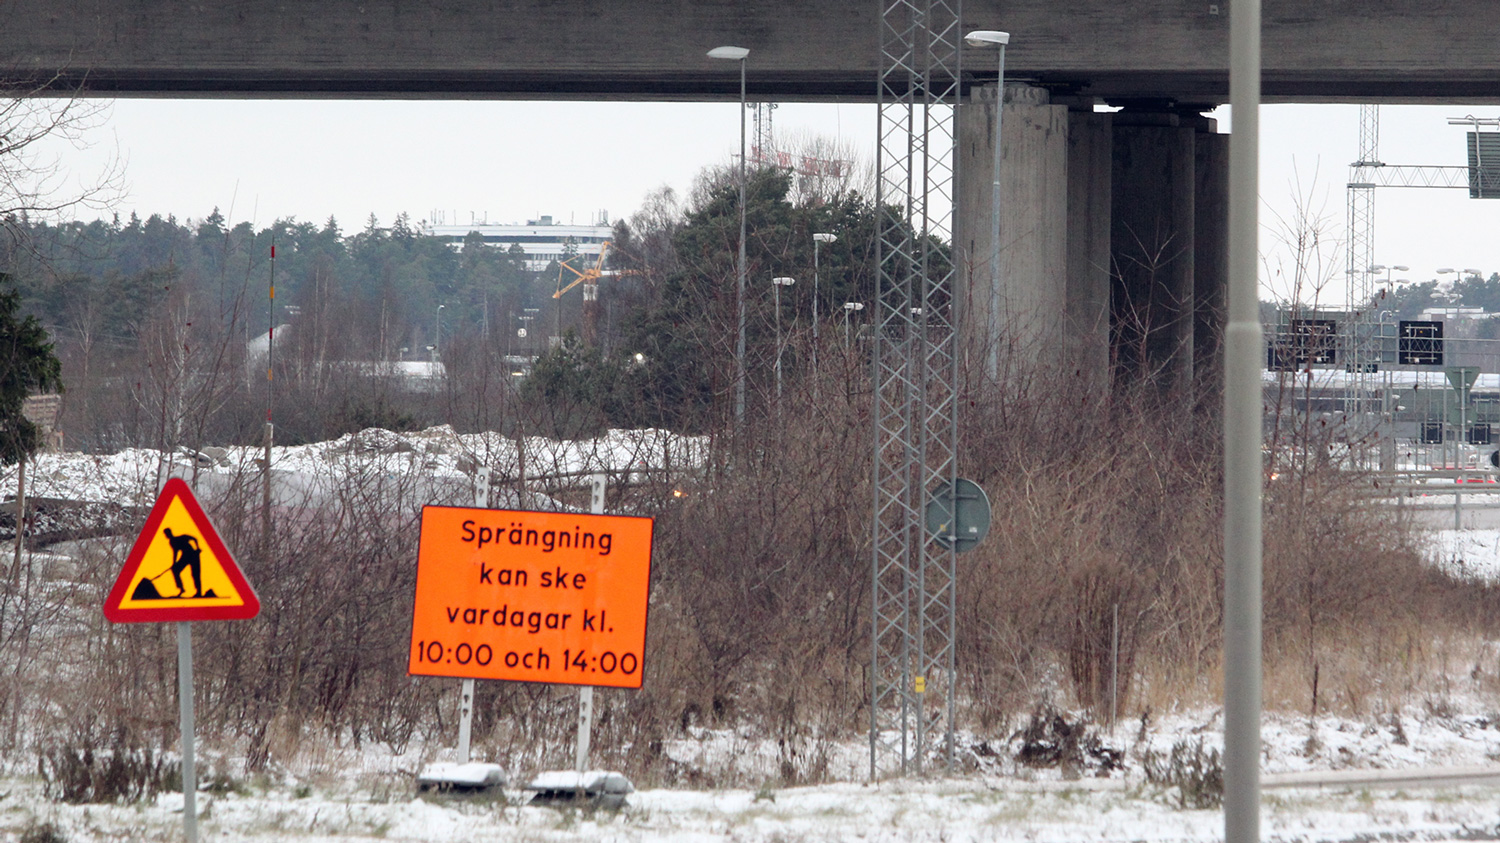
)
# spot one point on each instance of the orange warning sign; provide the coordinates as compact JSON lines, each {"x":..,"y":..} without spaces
{"x":531,"y":596}
{"x":179,"y":568}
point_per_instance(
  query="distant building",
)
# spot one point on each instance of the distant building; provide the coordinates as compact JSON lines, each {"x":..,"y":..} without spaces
{"x":542,"y":239}
{"x":1447,"y":313}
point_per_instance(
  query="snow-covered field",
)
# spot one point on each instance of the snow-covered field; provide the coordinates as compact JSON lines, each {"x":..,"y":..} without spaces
{"x":340,"y":793}
{"x":353,"y":796}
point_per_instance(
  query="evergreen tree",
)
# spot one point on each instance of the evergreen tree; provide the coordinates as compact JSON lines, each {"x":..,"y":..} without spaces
{"x":27,"y":366}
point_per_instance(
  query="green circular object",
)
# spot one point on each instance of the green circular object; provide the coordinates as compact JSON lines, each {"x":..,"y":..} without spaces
{"x":958,"y":514}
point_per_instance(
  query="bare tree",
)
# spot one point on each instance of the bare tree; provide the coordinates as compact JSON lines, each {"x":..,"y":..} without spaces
{"x":37,"y":128}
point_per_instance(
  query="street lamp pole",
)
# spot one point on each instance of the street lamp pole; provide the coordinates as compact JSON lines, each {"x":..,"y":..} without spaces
{"x":739,"y":54}
{"x":850,"y":306}
{"x":981,"y":38}
{"x":437,"y":333}
{"x":776,"y":285}
{"x":1379,"y":268}
{"x":818,"y":240}
{"x":1458,"y":437}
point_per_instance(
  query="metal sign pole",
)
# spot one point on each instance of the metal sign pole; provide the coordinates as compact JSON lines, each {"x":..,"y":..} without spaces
{"x":586,"y":693}
{"x":465,"y":719}
{"x":466,"y":690}
{"x":185,"y":698}
{"x":1243,"y":471}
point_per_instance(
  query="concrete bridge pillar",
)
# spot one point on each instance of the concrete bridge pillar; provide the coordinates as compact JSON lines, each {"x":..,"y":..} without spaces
{"x":1020,"y":322}
{"x":1113,"y":251}
{"x":1210,"y":259}
{"x":1090,"y":191}
{"x":1153,"y":247}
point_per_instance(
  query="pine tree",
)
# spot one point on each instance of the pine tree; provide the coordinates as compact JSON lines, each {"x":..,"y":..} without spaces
{"x":27,"y":366}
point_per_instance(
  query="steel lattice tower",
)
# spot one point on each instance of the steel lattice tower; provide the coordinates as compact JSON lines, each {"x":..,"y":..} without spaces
{"x":1360,"y":349}
{"x":916,"y":372}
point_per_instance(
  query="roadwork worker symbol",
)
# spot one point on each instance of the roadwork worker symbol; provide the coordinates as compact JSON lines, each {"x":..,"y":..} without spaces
{"x":187,"y":555}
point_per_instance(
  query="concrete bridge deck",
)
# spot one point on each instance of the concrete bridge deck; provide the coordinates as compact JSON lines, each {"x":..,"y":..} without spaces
{"x":1314,"y":50}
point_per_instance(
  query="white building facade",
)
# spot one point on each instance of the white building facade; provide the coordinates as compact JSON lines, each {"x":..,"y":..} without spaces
{"x":543,"y":240}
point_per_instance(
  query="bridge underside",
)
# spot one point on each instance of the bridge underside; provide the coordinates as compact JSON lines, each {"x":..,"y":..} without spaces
{"x":1113,"y":258}
{"x":1092,"y":50}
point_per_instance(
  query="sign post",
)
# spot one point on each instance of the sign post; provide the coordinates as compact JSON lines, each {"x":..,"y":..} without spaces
{"x":185,"y":716}
{"x":1462,"y":379}
{"x":179,"y":539}
{"x":466,"y":690}
{"x":586,"y":693}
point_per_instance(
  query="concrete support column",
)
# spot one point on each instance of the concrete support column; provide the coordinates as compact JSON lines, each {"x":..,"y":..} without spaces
{"x":1020,"y":322}
{"x":1153,"y":247}
{"x":1210,"y":262}
{"x":1086,"y":317}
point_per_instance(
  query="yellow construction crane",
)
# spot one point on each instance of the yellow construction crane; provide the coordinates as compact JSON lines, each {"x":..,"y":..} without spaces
{"x":589,"y":278}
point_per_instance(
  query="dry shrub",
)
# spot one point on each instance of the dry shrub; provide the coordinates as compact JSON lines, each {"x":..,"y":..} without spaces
{"x":1115,"y":510}
{"x":88,"y":767}
{"x":760,"y":597}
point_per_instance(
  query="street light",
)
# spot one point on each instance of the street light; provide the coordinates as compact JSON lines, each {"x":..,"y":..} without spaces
{"x":776,"y":285}
{"x":738,"y":54}
{"x":1458,"y":275}
{"x":437,"y":333}
{"x":1379,"y":268}
{"x":818,"y":240}
{"x":998,"y":39}
{"x":850,"y":307}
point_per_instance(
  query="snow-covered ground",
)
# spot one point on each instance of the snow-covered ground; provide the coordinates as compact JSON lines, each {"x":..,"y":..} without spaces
{"x":370,"y":796}
{"x":343,"y":793}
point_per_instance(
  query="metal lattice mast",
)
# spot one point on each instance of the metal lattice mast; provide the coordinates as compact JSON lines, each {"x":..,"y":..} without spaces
{"x":1360,"y":350}
{"x":916,"y":373}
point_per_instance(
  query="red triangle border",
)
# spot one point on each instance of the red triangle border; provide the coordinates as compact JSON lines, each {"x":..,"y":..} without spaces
{"x":177,"y":488}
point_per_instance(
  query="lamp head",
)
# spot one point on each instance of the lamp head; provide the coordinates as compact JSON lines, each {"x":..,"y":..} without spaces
{"x":825,"y":238}
{"x":729,"y":53}
{"x":783,"y":281}
{"x":1401,"y":268}
{"x":1445,"y":270}
{"x":987,"y":37}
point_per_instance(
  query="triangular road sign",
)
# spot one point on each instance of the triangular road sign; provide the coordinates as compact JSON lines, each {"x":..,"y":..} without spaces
{"x":179,"y":568}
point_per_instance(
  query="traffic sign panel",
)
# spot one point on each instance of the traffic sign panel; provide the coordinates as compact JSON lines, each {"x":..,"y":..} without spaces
{"x":524,"y":596}
{"x":179,"y":568}
{"x":958,"y":514}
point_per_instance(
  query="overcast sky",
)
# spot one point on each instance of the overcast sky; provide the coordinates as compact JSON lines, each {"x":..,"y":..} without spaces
{"x":260,"y":160}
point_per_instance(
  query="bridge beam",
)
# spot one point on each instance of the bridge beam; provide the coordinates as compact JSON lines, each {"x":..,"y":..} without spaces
{"x":1375,"y":50}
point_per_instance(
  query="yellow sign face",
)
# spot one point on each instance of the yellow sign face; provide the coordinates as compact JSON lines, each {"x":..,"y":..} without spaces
{"x":179,"y":567}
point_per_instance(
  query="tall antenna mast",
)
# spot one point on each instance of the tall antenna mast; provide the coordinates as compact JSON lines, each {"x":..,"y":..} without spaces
{"x":1360,"y":355}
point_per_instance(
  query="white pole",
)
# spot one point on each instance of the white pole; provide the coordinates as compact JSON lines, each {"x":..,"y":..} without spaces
{"x":816,"y":243}
{"x":992,"y":355}
{"x":1242,"y":439}
{"x":466,"y":690}
{"x":776,"y":285}
{"x":1114,"y":669}
{"x":465,"y":719}
{"x":586,"y":692}
{"x":185,"y":701}
{"x":739,"y":345}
